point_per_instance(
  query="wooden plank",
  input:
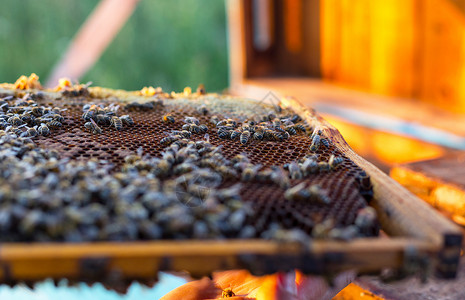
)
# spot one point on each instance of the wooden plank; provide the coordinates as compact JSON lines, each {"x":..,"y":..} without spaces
{"x":331,"y":28}
{"x":440,"y":182}
{"x":236,"y":36}
{"x":145,"y":259}
{"x":392,"y":48}
{"x":443,"y":55}
{"x":312,"y":37}
{"x":355,"y":43}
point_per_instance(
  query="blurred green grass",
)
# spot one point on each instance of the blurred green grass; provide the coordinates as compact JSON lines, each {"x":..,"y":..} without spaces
{"x":167,"y":43}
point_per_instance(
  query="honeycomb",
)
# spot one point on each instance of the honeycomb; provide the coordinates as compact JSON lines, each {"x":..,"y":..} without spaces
{"x":347,"y":185}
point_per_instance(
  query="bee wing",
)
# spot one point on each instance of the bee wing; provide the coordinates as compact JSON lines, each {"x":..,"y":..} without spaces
{"x":93,"y":122}
{"x":140,"y":151}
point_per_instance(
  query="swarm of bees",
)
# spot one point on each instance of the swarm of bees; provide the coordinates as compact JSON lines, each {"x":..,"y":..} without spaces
{"x":145,"y":106}
{"x":26,"y":118}
{"x":266,"y":128}
{"x":96,"y":115}
{"x":193,"y":188}
{"x":77,"y":90}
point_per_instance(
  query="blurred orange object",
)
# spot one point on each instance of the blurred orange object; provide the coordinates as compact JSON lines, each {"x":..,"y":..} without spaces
{"x":291,"y":286}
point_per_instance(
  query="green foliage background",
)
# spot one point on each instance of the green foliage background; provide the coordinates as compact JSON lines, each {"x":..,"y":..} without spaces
{"x":167,"y":43}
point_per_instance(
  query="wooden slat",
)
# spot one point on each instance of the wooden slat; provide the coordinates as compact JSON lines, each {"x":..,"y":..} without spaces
{"x":236,"y":36}
{"x":443,"y":55}
{"x":331,"y":27}
{"x":392,"y":50}
{"x":440,"y":182}
{"x":145,"y":259}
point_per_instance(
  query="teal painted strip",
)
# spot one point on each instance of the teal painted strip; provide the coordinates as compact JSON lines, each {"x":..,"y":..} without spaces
{"x":396,"y":126}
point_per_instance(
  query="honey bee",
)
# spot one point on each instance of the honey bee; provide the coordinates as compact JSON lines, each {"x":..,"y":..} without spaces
{"x":88,"y":126}
{"x":277,"y":123}
{"x":214,"y":120}
{"x":316,"y":132}
{"x":226,"y":172}
{"x":103,"y":119}
{"x":56,"y":110}
{"x":115,"y":121}
{"x":4,"y":105}
{"x":230,"y":193}
{"x":58,"y":117}
{"x":282,"y":135}
{"x":201,"y":89}
{"x":37,"y":111}
{"x":95,"y":128}
{"x":366,"y":220}
{"x":300,"y":128}
{"x":88,"y":114}
{"x":240,"y":158}
{"x":194,"y":128}
{"x":294,"y":171}
{"x":16,"y":110}
{"x":222,"y":123}
{"x":323,"y":166}
{"x":168,"y":118}
{"x":296,"y":118}
{"x":15,"y":130}
{"x":258,"y":135}
{"x":32,"y":132}
{"x":249,"y":172}
{"x":43,"y":129}
{"x":318,"y":194}
{"x":183,"y":133}
{"x":322,"y":229}
{"x":191,"y":120}
{"x":291,"y":130}
{"x":54,"y":124}
{"x":309,"y":166}
{"x":86,"y":107}
{"x":224,"y":134}
{"x":202,"y":109}
{"x":235,"y":134}
{"x":270,"y":135}
{"x":297,"y":193}
{"x":15,"y":121}
{"x":231,"y":122}
{"x":182,"y":142}
{"x":203,"y":128}
{"x":346,"y":233}
{"x":334,"y":161}
{"x":168,"y":140}
{"x":227,"y":293}
{"x":126,"y":119}
{"x":325,"y":142}
{"x":245,"y":137}
{"x":185,"y":167}
{"x":315,"y":142}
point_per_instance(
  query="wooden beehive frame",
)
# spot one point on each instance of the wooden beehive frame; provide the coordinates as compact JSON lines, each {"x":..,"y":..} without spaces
{"x":411,"y":222}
